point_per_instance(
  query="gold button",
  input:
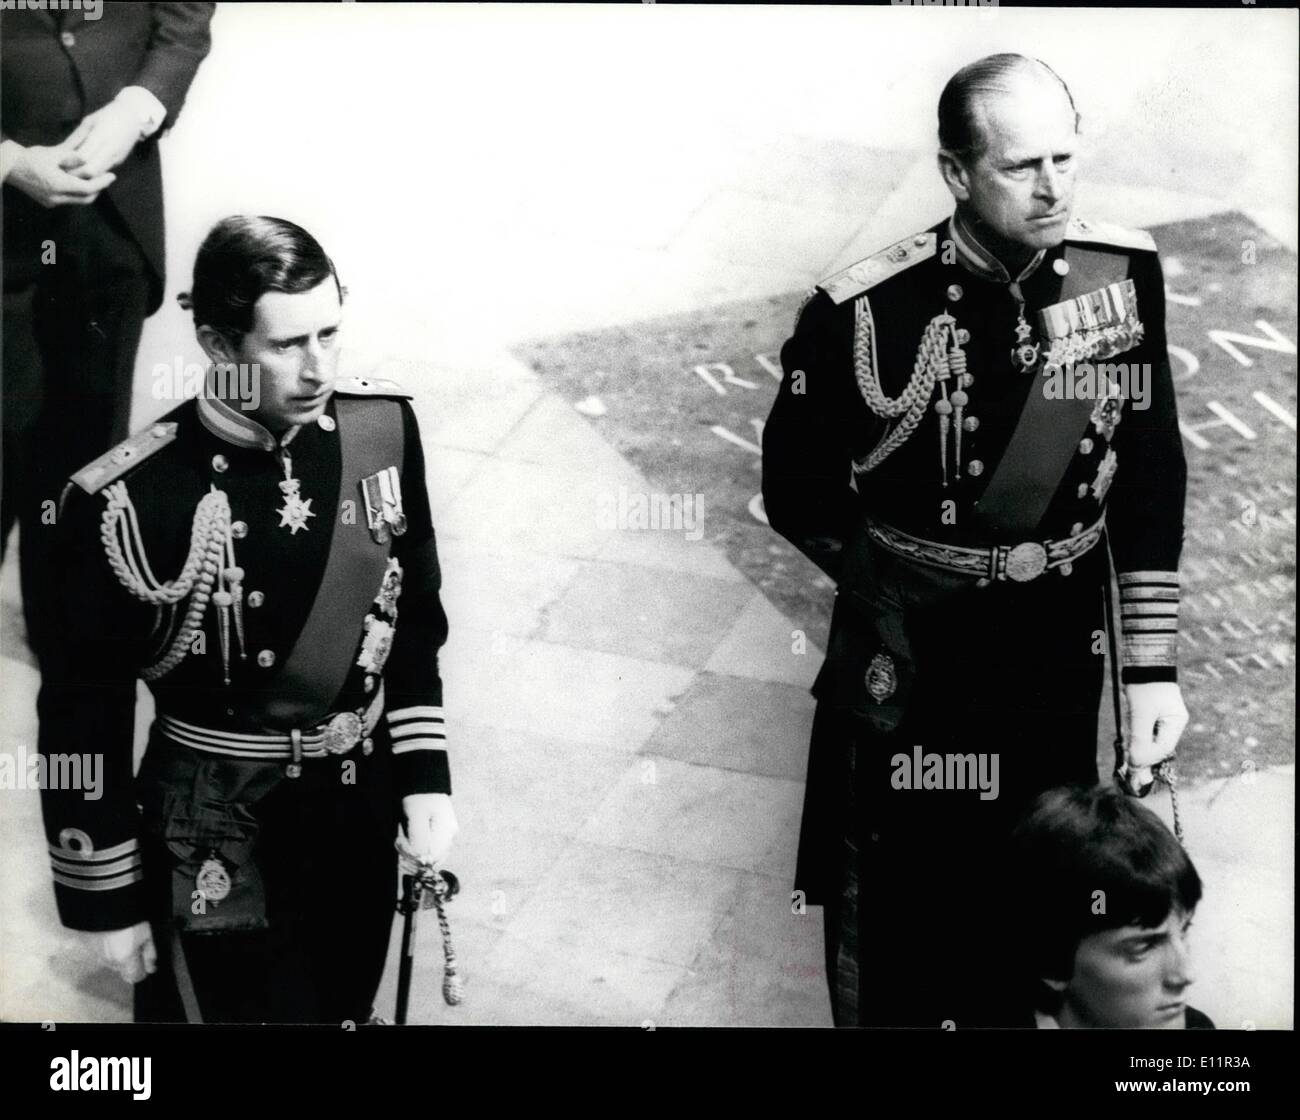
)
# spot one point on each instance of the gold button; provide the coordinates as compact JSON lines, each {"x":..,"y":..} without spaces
{"x":1076,"y":528}
{"x":256,"y":598}
{"x":1082,"y":492}
{"x":367,"y":745}
{"x":326,"y":422}
{"x":239,"y":530}
{"x":975,"y":468}
{"x":954,"y":292}
{"x":919,"y":240}
{"x":1060,"y":266}
{"x":294,"y":769}
{"x":220,"y":463}
{"x":1085,"y":446}
{"x":68,"y":39}
{"x":971,"y":423}
{"x":266,"y":658}
{"x":369,"y":683}
{"x":963,"y":336}
{"x":983,"y":581}
{"x":1066,"y":568}
{"x":158,"y":431}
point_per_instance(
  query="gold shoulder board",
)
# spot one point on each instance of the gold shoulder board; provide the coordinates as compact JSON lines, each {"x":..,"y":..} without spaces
{"x":1106,"y":233}
{"x":369,"y":387}
{"x":127,"y":455}
{"x":857,"y":278}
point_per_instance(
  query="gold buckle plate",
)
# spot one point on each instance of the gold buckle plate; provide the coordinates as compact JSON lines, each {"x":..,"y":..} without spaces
{"x":1026,"y":561}
{"x":340,"y":735}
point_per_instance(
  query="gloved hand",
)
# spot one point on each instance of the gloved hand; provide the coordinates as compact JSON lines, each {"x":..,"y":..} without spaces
{"x":430,"y":827}
{"x":129,"y":952}
{"x":1156,"y":719}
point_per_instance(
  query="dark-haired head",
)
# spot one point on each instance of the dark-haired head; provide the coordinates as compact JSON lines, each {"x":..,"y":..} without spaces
{"x":960,"y":129}
{"x":1087,"y":861}
{"x":241,"y":259}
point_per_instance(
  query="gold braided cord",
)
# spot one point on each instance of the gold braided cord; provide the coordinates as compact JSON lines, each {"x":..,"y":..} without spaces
{"x":931,"y":362}
{"x":124,"y":547}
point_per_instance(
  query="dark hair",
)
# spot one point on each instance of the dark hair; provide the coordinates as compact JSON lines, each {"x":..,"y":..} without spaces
{"x":958,"y":129}
{"x":241,"y":259}
{"x":1074,"y":842}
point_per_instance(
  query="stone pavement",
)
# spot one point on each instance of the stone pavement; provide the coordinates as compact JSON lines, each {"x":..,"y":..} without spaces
{"x":628,"y":719}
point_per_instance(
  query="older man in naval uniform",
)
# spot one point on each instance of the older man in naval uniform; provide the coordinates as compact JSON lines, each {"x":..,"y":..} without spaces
{"x":969,"y":422}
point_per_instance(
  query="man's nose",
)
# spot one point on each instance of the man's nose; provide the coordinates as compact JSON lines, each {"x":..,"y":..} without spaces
{"x":1050,"y":183}
{"x":1178,"y":973}
{"x":313,"y":366}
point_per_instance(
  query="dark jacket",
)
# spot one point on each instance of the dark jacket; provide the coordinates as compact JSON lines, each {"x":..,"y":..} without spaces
{"x":56,"y":67}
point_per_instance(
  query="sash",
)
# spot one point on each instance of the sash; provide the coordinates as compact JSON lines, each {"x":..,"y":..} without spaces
{"x":1048,"y":432}
{"x":370,"y":440}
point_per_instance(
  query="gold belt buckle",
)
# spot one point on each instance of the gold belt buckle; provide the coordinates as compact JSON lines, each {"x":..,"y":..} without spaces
{"x":340,"y":735}
{"x":1026,"y":561}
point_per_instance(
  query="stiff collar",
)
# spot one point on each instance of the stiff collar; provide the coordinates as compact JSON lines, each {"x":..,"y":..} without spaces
{"x":234,"y":426}
{"x":980,"y":261}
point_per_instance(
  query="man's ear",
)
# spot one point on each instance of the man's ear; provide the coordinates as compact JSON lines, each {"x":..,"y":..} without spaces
{"x":954,"y":175}
{"x":215,"y":345}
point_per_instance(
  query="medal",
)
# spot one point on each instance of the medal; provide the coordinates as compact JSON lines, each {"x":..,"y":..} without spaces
{"x":383,"y":494}
{"x":296,"y":508}
{"x":212,"y":881}
{"x":881,"y":679}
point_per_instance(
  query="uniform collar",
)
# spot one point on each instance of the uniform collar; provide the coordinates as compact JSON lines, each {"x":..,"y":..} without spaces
{"x":980,"y":261}
{"x":233,"y":426}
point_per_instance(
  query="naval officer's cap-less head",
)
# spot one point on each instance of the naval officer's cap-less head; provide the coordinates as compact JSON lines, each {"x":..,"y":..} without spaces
{"x":1008,"y":135}
{"x":267,"y":297}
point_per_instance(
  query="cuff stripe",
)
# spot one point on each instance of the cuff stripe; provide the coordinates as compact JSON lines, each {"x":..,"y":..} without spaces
{"x":114,"y":884}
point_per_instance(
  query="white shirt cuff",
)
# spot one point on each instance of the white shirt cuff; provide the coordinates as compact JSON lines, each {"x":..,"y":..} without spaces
{"x":146,"y":106}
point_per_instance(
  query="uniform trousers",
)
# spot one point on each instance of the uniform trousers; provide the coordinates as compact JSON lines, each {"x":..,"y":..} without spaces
{"x":913,"y":936}
{"x":324,"y":850}
{"x":76,"y":291}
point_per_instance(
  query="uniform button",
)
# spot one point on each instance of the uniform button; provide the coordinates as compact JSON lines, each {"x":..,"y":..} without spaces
{"x":954,"y":292}
{"x":1076,"y":528}
{"x":919,"y":240}
{"x":1060,"y":266}
{"x":367,"y":745}
{"x":983,"y":581}
{"x":220,"y":463}
{"x":1085,"y":446}
{"x":971,"y":423}
{"x":369,"y":683}
{"x":68,"y":39}
{"x":256,"y":598}
{"x":1066,"y":568}
{"x":266,"y":658}
{"x":1082,"y":491}
{"x":963,"y":336}
{"x":158,"y":431}
{"x":326,"y":422}
{"x":975,"y":468}
{"x":239,"y":530}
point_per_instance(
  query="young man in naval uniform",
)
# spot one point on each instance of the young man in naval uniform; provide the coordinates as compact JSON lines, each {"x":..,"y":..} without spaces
{"x":951,"y":445}
{"x":266,"y":562}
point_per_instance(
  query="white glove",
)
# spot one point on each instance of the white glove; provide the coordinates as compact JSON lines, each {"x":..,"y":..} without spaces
{"x":430,"y":828}
{"x":1156,"y":719}
{"x":129,"y":952}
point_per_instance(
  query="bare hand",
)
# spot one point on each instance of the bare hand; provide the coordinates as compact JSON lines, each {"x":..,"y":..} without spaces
{"x":430,"y":827}
{"x":129,"y":952}
{"x":40,"y":174}
{"x":102,"y":140}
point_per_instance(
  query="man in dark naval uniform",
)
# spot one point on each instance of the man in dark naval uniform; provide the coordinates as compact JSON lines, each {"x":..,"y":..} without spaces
{"x":263,"y":558}
{"x":968,"y":422}
{"x":86,"y":93}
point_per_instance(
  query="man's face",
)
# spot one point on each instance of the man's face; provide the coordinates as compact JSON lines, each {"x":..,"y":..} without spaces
{"x":294,"y":342}
{"x":1022,"y":184}
{"x":1131,"y":977}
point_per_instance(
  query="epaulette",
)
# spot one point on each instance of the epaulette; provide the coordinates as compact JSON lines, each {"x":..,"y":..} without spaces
{"x":1106,"y":233}
{"x":369,"y":387}
{"x":127,"y":455}
{"x":857,"y":278}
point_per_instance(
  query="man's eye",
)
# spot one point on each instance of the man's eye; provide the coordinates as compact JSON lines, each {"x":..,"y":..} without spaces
{"x":283,"y":347}
{"x":1064,"y":161}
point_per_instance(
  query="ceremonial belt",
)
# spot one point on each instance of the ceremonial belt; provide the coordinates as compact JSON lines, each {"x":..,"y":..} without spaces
{"x":1019,"y":563}
{"x":336,"y":734}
